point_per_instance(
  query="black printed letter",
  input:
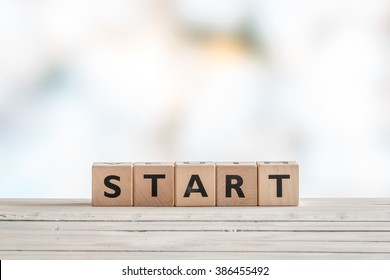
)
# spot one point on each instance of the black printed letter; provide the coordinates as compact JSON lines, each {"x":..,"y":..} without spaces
{"x":201,"y":189}
{"x":236,"y":186}
{"x":115,"y":188}
{"x":279,"y":179}
{"x":154,"y":178}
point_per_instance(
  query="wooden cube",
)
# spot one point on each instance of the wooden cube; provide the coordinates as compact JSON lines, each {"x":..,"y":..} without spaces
{"x":236,"y":183}
{"x":278,"y":183}
{"x":112,"y":184}
{"x":195,"y":184}
{"x":153,"y":184}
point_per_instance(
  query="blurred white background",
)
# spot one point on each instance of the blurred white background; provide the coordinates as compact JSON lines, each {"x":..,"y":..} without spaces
{"x":147,"y":80}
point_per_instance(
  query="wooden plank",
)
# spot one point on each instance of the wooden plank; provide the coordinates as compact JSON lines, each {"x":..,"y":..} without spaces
{"x":145,"y":255}
{"x":183,"y":226}
{"x":75,"y":210}
{"x":317,"y":229}
{"x":274,"y":236}
{"x":239,"y":215}
{"x":199,"y":241}
{"x":91,"y":255}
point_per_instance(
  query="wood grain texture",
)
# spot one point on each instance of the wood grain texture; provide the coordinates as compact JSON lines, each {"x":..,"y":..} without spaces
{"x":245,"y":171}
{"x":160,"y":174}
{"x":278,"y":183}
{"x":112,"y":184}
{"x":317,"y":229}
{"x":200,"y":178}
{"x":188,"y":255}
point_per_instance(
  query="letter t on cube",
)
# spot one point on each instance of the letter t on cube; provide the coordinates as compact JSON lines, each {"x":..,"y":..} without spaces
{"x":278,"y":183}
{"x":153,"y":183}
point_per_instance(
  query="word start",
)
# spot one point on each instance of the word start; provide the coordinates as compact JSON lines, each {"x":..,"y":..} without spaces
{"x":262,"y":183}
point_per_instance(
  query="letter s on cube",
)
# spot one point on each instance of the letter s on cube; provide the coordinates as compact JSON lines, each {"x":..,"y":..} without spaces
{"x":112,"y":184}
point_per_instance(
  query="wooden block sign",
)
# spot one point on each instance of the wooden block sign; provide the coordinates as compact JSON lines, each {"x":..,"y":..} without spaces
{"x":262,"y":183}
{"x":236,"y":183}
{"x":195,"y":184}
{"x":278,"y":183}
{"x":112,"y":184}
{"x":154,"y":183}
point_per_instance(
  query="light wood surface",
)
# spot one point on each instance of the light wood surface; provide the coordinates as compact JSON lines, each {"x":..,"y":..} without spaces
{"x":199,"y":177}
{"x":162,"y":175}
{"x":287,"y":193}
{"x":112,"y":184}
{"x":244,"y":171}
{"x":317,"y":229}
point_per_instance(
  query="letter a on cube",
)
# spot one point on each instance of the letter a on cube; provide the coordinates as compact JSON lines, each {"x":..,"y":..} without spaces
{"x":195,"y":184}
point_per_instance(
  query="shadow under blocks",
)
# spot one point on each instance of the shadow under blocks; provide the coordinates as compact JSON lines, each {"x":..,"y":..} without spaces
{"x":262,"y":183}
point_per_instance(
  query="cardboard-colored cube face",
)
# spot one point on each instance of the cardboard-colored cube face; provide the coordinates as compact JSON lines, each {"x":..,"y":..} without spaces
{"x":153,"y":184}
{"x":236,"y":183}
{"x":195,"y":184}
{"x":278,"y":183}
{"x":112,"y":184}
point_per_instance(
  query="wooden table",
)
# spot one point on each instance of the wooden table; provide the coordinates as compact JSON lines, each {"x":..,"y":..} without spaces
{"x":317,"y":229}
